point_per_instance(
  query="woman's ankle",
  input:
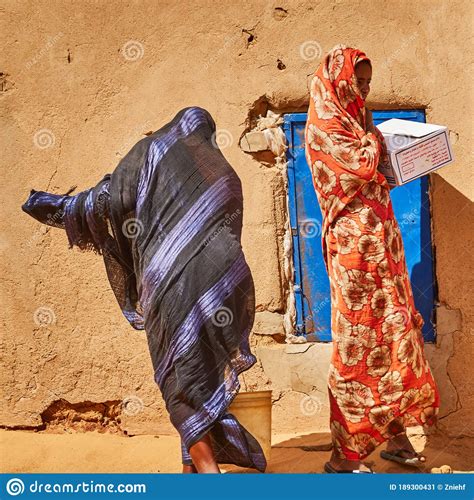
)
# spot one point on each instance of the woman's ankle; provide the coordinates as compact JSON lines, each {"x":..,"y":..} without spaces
{"x":189,"y":469}
{"x":399,"y":440}
{"x":202,"y":455}
{"x":206,"y":467}
{"x":344,"y":462}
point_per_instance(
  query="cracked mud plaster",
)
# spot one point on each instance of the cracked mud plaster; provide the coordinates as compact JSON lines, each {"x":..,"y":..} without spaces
{"x":64,"y":417}
{"x":274,"y":138}
{"x":279,"y":13}
{"x":6,"y":84}
{"x":448,"y":323}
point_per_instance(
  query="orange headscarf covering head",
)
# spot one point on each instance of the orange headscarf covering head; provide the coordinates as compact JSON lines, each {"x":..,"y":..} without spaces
{"x":337,"y":74}
{"x":343,"y":157}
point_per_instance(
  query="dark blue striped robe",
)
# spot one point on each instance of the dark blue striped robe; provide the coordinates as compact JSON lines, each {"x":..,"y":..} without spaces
{"x":175,"y":263}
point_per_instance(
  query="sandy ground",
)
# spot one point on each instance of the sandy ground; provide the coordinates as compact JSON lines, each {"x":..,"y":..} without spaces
{"x":29,"y":451}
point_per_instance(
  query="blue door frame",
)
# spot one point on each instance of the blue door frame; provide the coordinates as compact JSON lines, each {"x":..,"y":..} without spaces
{"x":411,"y":205}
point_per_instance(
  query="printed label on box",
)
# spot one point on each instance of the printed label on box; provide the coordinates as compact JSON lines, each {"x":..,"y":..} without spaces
{"x":425,"y":156}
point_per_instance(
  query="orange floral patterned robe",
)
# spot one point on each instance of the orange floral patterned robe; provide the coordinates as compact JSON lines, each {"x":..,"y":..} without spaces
{"x":379,"y":379}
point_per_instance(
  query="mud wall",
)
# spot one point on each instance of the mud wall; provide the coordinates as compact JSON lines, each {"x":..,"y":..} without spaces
{"x":80,"y":83}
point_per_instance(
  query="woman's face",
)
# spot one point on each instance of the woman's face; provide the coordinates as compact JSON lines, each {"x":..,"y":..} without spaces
{"x":363,"y":72}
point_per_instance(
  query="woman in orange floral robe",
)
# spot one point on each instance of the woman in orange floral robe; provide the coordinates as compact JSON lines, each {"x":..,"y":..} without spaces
{"x":379,"y":380}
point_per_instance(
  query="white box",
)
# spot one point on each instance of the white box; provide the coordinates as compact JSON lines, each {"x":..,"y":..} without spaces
{"x":414,"y":149}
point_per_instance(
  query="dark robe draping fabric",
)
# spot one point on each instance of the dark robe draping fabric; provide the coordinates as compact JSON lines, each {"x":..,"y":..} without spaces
{"x":168,"y":224}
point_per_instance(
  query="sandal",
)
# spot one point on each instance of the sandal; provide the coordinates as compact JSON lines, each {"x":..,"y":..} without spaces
{"x":330,"y":469}
{"x":394,"y":456}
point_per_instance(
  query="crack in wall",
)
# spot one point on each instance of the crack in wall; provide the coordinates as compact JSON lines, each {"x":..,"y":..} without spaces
{"x":61,"y":416}
{"x":448,"y":322}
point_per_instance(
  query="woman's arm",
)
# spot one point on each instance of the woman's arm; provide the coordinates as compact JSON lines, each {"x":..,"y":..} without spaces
{"x":369,"y":121}
{"x":370,"y":127}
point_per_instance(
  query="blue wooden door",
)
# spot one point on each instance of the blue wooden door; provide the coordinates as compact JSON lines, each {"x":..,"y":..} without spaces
{"x":411,"y":206}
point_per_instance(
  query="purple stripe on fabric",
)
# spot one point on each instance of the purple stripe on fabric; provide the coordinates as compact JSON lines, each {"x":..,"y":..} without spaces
{"x":188,"y":332}
{"x":185,"y":455}
{"x":217,"y":403}
{"x":69,"y":222}
{"x":89,"y":209}
{"x":189,"y":225}
{"x":234,"y":435}
{"x":135,"y":319}
{"x":189,"y":122}
{"x":221,"y":397}
{"x":95,"y":213}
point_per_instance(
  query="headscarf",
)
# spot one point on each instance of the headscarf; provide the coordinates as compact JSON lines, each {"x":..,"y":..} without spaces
{"x":83,"y":216}
{"x":343,"y":158}
{"x":47,"y":208}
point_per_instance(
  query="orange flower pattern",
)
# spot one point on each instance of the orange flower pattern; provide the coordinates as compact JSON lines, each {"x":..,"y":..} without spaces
{"x":379,"y":379}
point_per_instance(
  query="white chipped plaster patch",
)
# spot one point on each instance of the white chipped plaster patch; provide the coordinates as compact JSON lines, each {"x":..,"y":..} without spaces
{"x":268,"y":135}
{"x":301,"y":370}
{"x":298,"y":374}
